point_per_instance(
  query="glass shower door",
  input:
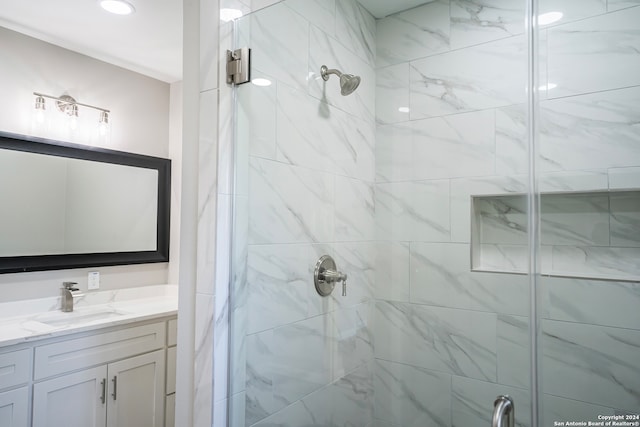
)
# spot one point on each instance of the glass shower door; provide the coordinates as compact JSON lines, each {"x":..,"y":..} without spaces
{"x":588,"y":176}
{"x":416,"y":184}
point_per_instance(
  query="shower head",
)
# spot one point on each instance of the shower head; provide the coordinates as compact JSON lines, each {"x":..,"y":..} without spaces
{"x":348,"y":82}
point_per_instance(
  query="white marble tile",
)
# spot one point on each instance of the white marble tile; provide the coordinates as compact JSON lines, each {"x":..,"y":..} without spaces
{"x":472,"y":402}
{"x":491,"y":257}
{"x":233,"y":409}
{"x":413,"y":34}
{"x":572,"y":10}
{"x":325,"y":50}
{"x":600,"y":303}
{"x":259,"y":402}
{"x":501,"y":219}
{"x":292,"y":416}
{"x":459,"y":342}
{"x":621,"y":4}
{"x":207,"y":192}
{"x":625,"y":219}
{"x":512,"y":155}
{"x":355,"y":210}
{"x":321,"y":13}
{"x":394,"y":153}
{"x":357,"y":260}
{"x":454,"y":146}
{"x":356,"y":28}
{"x":593,"y":364}
{"x":513,"y":351}
{"x":596,"y":262}
{"x":392,"y":94}
{"x":573,"y":181}
{"x":289,"y":204}
{"x":203,"y":360}
{"x":463,"y":189}
{"x":480,"y":21}
{"x":392,"y":271}
{"x":413,"y":211}
{"x":575,"y":219}
{"x":280,"y":44}
{"x":352,"y":399}
{"x":592,"y":131}
{"x":440,"y":275}
{"x":353,"y":337}
{"x":278,"y":277}
{"x":557,"y":409}
{"x":302,"y":358}
{"x":411,"y":396}
{"x":624,"y":178}
{"x":208,"y":44}
{"x":257,"y":116}
{"x":479,"y":77}
{"x":318,"y":136}
{"x":595,"y":54}
{"x":261,"y":4}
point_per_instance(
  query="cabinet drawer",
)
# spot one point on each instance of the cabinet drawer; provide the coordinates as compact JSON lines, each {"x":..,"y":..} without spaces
{"x":72,"y":355}
{"x":14,"y":368}
{"x":172,"y":337}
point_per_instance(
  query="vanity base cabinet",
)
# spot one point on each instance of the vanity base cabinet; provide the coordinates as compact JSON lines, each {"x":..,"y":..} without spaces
{"x":127,"y":393}
{"x":73,"y":400}
{"x":136,"y":391}
{"x":14,"y":408}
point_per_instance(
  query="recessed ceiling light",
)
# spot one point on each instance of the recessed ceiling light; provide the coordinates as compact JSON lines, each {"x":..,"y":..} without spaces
{"x":549,"y":18}
{"x":119,"y":7}
{"x":404,"y":109}
{"x":228,"y":15}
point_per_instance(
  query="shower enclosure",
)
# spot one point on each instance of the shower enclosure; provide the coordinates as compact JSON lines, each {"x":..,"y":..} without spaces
{"x":480,"y":189}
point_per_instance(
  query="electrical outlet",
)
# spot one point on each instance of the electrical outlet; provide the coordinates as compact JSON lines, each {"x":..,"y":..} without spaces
{"x":93,"y":281}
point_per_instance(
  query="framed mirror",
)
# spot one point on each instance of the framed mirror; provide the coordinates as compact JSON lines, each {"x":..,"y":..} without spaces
{"x":65,"y":206}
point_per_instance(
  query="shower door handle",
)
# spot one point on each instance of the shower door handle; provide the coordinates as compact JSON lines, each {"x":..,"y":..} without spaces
{"x":503,"y":412}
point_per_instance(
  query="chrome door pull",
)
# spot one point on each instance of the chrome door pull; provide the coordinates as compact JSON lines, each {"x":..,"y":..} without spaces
{"x":503,"y":408}
{"x":103,"y":398}
{"x":115,"y":385}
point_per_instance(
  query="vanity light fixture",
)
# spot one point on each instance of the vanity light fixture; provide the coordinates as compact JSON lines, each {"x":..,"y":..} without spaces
{"x":119,"y":7}
{"x":69,"y":106}
{"x":40,"y":109}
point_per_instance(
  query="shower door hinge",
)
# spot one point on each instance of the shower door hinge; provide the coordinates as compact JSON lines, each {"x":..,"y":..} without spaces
{"x":238,"y":65}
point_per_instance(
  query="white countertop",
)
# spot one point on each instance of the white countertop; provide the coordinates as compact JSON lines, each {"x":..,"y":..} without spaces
{"x":29,"y":320}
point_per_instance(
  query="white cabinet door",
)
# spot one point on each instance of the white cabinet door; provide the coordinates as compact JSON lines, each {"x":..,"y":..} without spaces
{"x":136,"y":391}
{"x":73,"y":400}
{"x":14,"y":408}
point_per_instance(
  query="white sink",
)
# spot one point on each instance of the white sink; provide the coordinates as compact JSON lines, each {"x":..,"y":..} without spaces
{"x":77,"y":317}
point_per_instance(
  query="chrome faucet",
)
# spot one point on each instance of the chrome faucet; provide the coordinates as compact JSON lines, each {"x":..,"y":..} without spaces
{"x":68,"y":294}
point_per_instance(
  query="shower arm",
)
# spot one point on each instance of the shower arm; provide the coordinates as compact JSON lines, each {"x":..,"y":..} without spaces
{"x":325,"y":72}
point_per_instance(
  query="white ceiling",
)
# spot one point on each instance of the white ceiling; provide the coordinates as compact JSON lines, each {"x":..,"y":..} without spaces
{"x":148,"y":41}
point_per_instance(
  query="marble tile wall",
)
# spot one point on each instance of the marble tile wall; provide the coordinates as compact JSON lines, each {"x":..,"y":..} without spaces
{"x":306,"y":171}
{"x":451,"y":124}
{"x":382,"y":180}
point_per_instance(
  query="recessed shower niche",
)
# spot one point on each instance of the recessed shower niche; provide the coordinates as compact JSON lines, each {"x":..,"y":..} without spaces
{"x":585,"y":234}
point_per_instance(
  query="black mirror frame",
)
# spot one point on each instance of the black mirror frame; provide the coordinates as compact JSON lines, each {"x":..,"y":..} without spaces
{"x":17,"y":264}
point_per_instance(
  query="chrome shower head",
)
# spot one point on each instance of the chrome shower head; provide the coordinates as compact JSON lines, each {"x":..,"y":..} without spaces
{"x":348,"y":82}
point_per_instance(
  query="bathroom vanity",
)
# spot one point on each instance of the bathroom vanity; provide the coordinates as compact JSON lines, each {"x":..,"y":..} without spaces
{"x":110,"y":362}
